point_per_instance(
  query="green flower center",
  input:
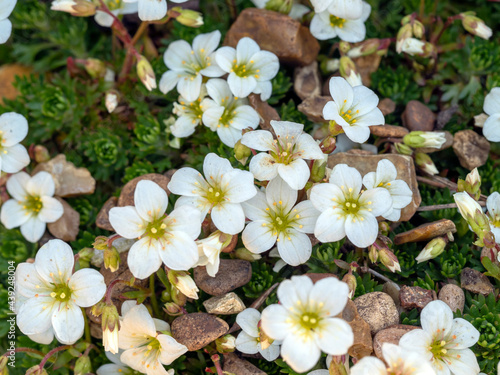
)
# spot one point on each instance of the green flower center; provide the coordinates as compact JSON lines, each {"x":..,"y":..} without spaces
{"x":214,"y":195}
{"x":285,"y":151}
{"x":61,"y":292}
{"x":193,"y":108}
{"x":309,"y":320}
{"x":437,"y":349}
{"x":281,"y":221}
{"x":114,"y":4}
{"x":351,"y":206}
{"x":33,"y":204}
{"x":227,"y":117}
{"x":245,"y":70}
{"x":156,"y":229}
{"x":495,"y":220}
{"x":337,"y":21}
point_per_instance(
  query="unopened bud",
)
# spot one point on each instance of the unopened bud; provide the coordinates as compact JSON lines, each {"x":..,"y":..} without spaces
{"x":241,"y":152}
{"x":365,"y":48}
{"x":95,"y":68}
{"x":173,"y":309}
{"x":225,"y":344}
{"x":245,"y":254}
{"x":344,"y":47}
{"x":111,"y":259}
{"x":98,"y":308}
{"x":328,"y":145}
{"x":351,"y":282}
{"x":432,"y":250}
{"x":339,"y":365}
{"x":403,"y":149}
{"x":473,"y":183}
{"x":404,"y":33}
{"x":389,"y":259}
{"x":373,"y":253}
{"x":466,"y":205}
{"x":111,"y":101}
{"x":348,"y":71}
{"x":78,"y":8}
{"x":318,"y":170}
{"x":110,"y":327}
{"x":101,"y":243}
{"x":188,"y":17}
{"x":384,"y":228}
{"x":418,"y":29}
{"x":41,"y":154}
{"x":184,"y":283}
{"x":329,"y":65}
{"x":281,"y":6}
{"x":418,"y":139}
{"x":425,"y":163}
{"x":413,"y":46}
{"x":145,"y":73}
{"x":83,"y":365}
{"x":475,"y":25}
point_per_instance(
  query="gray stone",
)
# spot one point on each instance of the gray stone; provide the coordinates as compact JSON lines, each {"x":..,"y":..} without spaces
{"x":197,"y":330}
{"x":378,"y":310}
{"x":453,"y":296}
{"x":227,"y":304}
{"x":232,"y":274}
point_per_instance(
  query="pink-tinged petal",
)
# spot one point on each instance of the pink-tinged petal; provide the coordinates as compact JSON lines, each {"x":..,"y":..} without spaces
{"x":260,"y":140}
{"x":274,"y":321}
{"x":335,"y":336}
{"x":13,"y":215}
{"x":68,"y":323}
{"x":330,"y":226}
{"x":87,"y":286}
{"x":179,"y":252}
{"x":341,"y":92}
{"x":294,"y":247}
{"x":296,"y":174}
{"x":14,"y":158}
{"x":35,"y":315}
{"x":150,"y":200}
{"x":16,"y":185}
{"x":337,"y":292}
{"x":258,"y":237}
{"x":54,"y":261}
{"x":13,"y":126}
{"x":301,"y":353}
{"x":51,"y":211}
{"x":248,"y":320}
{"x":143,"y":258}
{"x":228,"y":217}
{"x":127,"y":222}
{"x":170,"y":349}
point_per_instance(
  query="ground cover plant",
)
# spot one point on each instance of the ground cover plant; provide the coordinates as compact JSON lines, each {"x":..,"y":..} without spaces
{"x":249,"y":187}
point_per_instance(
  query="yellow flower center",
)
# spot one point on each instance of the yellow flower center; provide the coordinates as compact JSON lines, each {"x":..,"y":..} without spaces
{"x":33,"y":204}
{"x":156,"y":229}
{"x":245,"y":70}
{"x":337,"y":21}
{"x":349,"y":116}
{"x":61,"y":292}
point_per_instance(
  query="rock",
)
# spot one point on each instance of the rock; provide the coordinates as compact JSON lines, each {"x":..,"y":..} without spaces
{"x":357,"y":151}
{"x":368,"y":163}
{"x":453,"y":296}
{"x":102,"y":219}
{"x":447,"y":144}
{"x":232,"y":274}
{"x":8,"y":74}
{"x":265,"y":111}
{"x":42,"y":241}
{"x":227,"y":304}
{"x":378,"y":310}
{"x":426,"y":232}
{"x":312,"y":107}
{"x":391,"y":335}
{"x":392,"y":289}
{"x":387,"y":106}
{"x":445,"y":116}
{"x":307,"y":81}
{"x":471,"y":148}
{"x":417,"y":116}
{"x":234,"y":365}
{"x":291,"y":42}
{"x":315,"y":277}
{"x":96,"y":330}
{"x":362,"y":345}
{"x":197,"y":330}
{"x":387,"y":131}
{"x":127,"y":194}
{"x":475,"y":282}
{"x":366,"y":65}
{"x":415,"y":297}
{"x":66,"y":228}
{"x":69,"y":180}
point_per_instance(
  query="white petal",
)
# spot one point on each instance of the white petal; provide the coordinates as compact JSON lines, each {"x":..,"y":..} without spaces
{"x":209,"y":42}
{"x":55,"y":260}
{"x":341,"y":92}
{"x":103,"y":19}
{"x":190,"y":87}
{"x":306,"y":216}
{"x":337,"y":292}
{"x":369,"y":366}
{"x":348,"y":177}
{"x":491,"y":128}
{"x":418,"y":341}
{"x":152,"y":10}
{"x":68,"y":323}
{"x":255,"y":208}
{"x":296,"y":174}
{"x":185,"y":220}
{"x":168,"y":81}
{"x":300,"y":353}
{"x":273,"y":321}
{"x":320,"y":26}
{"x":14,"y":127}
{"x":436,"y":315}
{"x":264,"y":88}
{"x":150,"y":200}
{"x":308,"y":147}
{"x":357,"y":133}
{"x":170,"y":349}
{"x":353,"y":31}
{"x":361,"y":230}
{"x":33,"y":318}
{"x":320,"y":5}
{"x":12,"y":214}
{"x":248,"y":320}
{"x":336,"y":336}
{"x":369,"y":179}
{"x":349,"y":9}
{"x":33,"y":229}
{"x":271,"y":353}
{"x":229,"y":135}
{"x":287,"y":130}
{"x":224,"y":57}
{"x":16,"y":185}
{"x":228,"y":217}
{"x":247,"y":344}
{"x":466,"y":334}
{"x":28,"y":282}
{"x":380,"y":199}
{"x":240,"y":186}
{"x":365,"y":101}
{"x":296,"y":289}
{"x":5,"y":30}
{"x":323,"y":196}
{"x":126,"y":222}
{"x":180,"y":253}
{"x":260,"y":140}
{"x":280,"y":194}
{"x":462,"y":362}
{"x":199,"y":203}
{"x":267,"y":63}
{"x":184,"y":127}
{"x":374,"y":117}
{"x":245,"y":48}
{"x":14,"y":158}
{"x":185,"y":181}
{"x":143,"y":258}
{"x":330,"y":226}
{"x":294,"y":247}
{"x":218,"y":90}
{"x":258,"y":237}
{"x":111,"y":369}
{"x":136,"y":323}
{"x":45,"y":337}
{"x":214,"y":167}
{"x":492,"y":102}
{"x":241,"y":87}
{"x":263,"y":167}
{"x":87,"y":287}
{"x":245,"y":117}
{"x":41,"y":184}
{"x":211,"y":117}
{"x":6,"y":8}
{"x":51,"y":211}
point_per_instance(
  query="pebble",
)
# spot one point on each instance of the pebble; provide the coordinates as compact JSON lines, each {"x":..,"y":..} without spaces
{"x":453,"y":296}
{"x":68,"y":225}
{"x":426,"y":232}
{"x":8,"y":74}
{"x":386,"y":131}
{"x":378,"y":310}
{"x":234,"y":365}
{"x":313,"y":106}
{"x":417,"y":116}
{"x":387,"y":106}
{"x":475,"y":282}
{"x":197,"y":330}
{"x":471,"y":148}
{"x":362,"y":345}
{"x":307,"y":81}
{"x":366,"y":65}
{"x":391,"y":335}
{"x":415,"y":297}
{"x":232,"y":274}
{"x":127,"y":194}
{"x":265,"y":111}
{"x":227,"y":304}
{"x":102,"y":219}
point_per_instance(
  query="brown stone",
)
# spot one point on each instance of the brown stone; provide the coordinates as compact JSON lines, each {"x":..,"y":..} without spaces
{"x":8,"y":74}
{"x":307,"y":81}
{"x":415,"y":297}
{"x":387,"y":106}
{"x":445,"y":116}
{"x":362,"y":345}
{"x":387,"y":131}
{"x":235,"y":365}
{"x":426,"y":232}
{"x":378,"y":310}
{"x":96,"y":330}
{"x":417,"y":116}
{"x":227,"y":304}
{"x":290,"y":41}
{"x":471,"y":148}
{"x":357,"y":151}
{"x":102,"y":219}
{"x":391,"y":335}
{"x":232,"y":274}
{"x":453,"y":296}
{"x":313,"y":106}
{"x":127,"y":195}
{"x":265,"y":111}
{"x":475,"y":282}
{"x":366,"y":65}
{"x":368,"y":163}
{"x":197,"y":330}
{"x":447,"y":144}
{"x":69,"y":180}
{"x":392,"y":289}
{"x":66,"y":228}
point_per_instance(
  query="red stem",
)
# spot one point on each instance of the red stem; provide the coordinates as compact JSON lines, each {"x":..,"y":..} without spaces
{"x":52,"y":352}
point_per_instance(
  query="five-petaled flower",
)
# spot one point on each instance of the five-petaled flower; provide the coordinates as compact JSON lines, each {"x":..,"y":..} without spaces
{"x":189,"y":114}
{"x":350,"y":9}
{"x":32,"y":205}
{"x":220,"y":193}
{"x":13,"y":129}
{"x":491,"y":128}
{"x":152,"y":10}
{"x":50,"y":295}
{"x":161,"y":238}
{"x":6,"y":8}
{"x":285,"y":155}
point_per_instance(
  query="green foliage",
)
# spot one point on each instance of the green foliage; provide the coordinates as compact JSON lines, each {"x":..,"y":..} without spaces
{"x":396,"y":84}
{"x":282,"y":84}
{"x":323,"y":257}
{"x":411,"y":318}
{"x":366,"y":284}
{"x":453,"y":260}
{"x":263,"y":277}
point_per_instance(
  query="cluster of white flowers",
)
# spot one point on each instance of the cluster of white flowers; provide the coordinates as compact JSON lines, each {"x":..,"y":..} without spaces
{"x":491,"y":127}
{"x":6,"y":8}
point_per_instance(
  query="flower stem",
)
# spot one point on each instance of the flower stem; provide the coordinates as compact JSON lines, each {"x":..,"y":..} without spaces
{"x":216,"y":360}
{"x":87,"y":326}
{"x":154,"y":301}
{"x":142,"y":28}
{"x":52,"y":352}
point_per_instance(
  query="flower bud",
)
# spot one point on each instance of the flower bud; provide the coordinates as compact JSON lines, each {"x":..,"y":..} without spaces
{"x":95,"y":68}
{"x":111,"y":101}
{"x":145,"y":73}
{"x":241,"y":152}
{"x":318,"y":170}
{"x":328,"y":145}
{"x":111,"y":259}
{"x":329,"y":65}
{"x":404,"y":33}
{"x":466,"y":205}
{"x":412,"y":46}
{"x":384,"y":228}
{"x":373,"y":253}
{"x":475,"y":25}
{"x":351,"y":282}
{"x":78,"y":8}
{"x":339,"y":365}
{"x":473,"y":183}
{"x":348,"y":71}
{"x":281,"y":6}
{"x":417,"y":139}
{"x":403,"y":149}
{"x":98,"y":308}
{"x":433,"y":249}
{"x":245,"y":254}
{"x":184,"y":283}
{"x":83,"y":365}
{"x":3,"y":365}
{"x":110,"y":327}
{"x":36,"y":370}
{"x":173,"y":309}
{"x":425,"y":163}
{"x":41,"y":154}
{"x":388,"y":259}
{"x":225,"y":344}
{"x":365,"y":48}
{"x":188,"y":17}
{"x":100,"y":243}
{"x":418,"y":29}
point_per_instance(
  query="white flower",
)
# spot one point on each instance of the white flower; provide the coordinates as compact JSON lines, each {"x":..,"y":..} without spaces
{"x":412,"y":46}
{"x":444,"y":341}
{"x":117,"y":7}
{"x":286,"y":153}
{"x":227,"y":115}
{"x":249,"y":339}
{"x":350,"y":9}
{"x":297,"y":12}
{"x":13,"y":129}
{"x":491,"y":128}
{"x":54,"y":295}
{"x":188,"y":65}
{"x":220,"y":193}
{"x":417,"y":139}
{"x":346,"y":211}
{"x":189,"y":114}
{"x":117,"y":367}
{"x":6,"y":8}
{"x":32,"y":205}
{"x":385,"y":177}
{"x":276,"y":218}
{"x":305,"y":320}
{"x":399,"y":360}
{"x":161,"y":238}
{"x":209,"y":250}
{"x":111,"y":101}
{"x":353,"y":108}
{"x":152,"y":10}
{"x":466,"y":205}
{"x":493,"y":206}
{"x":325,"y":25}
{"x":145,"y":349}
{"x":250,"y":69}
